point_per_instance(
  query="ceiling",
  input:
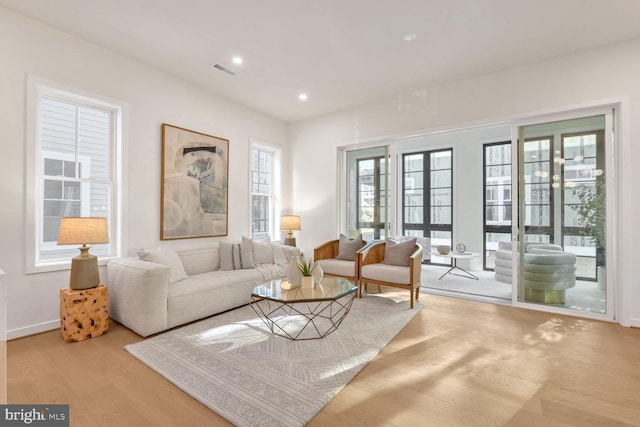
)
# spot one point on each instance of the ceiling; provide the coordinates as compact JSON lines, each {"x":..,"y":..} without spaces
{"x":342,"y":53}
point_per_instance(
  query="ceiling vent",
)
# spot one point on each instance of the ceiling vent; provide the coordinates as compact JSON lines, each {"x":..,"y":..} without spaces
{"x":224,"y":69}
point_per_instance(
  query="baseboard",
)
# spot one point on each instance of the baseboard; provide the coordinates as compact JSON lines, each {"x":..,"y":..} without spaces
{"x":635,"y":323}
{"x":33,"y":329}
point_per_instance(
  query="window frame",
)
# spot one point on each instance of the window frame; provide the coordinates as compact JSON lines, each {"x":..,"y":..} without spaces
{"x":427,"y":226}
{"x":493,"y":228}
{"x":37,"y":89}
{"x":276,"y":180}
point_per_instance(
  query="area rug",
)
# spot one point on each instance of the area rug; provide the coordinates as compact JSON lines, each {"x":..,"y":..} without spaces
{"x":232,"y":363}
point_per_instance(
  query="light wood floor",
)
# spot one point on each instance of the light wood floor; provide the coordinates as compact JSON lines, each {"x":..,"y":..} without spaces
{"x":457,"y":363}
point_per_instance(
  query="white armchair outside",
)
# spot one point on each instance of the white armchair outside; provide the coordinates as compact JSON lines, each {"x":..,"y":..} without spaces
{"x":548,"y":271}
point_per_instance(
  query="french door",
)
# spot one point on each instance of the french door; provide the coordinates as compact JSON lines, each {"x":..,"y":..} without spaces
{"x":427,"y":195}
{"x":367,"y":195}
{"x":562,"y":239}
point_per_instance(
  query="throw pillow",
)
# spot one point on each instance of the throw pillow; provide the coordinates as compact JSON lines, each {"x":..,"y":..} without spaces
{"x":398,"y":253}
{"x":236,"y":256}
{"x":279,"y":257}
{"x":347,"y":248}
{"x":165,"y":255}
{"x":262,"y":250}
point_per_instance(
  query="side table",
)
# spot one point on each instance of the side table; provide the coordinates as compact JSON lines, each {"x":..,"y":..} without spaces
{"x":83,"y":313}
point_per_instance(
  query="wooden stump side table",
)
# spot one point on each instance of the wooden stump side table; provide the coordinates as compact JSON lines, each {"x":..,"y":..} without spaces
{"x":83,"y":313}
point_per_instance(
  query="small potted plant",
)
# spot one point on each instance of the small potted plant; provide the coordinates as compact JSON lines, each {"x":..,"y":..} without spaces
{"x":306,"y":269}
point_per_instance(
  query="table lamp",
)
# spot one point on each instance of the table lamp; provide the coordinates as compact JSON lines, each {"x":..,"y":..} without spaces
{"x":290,"y":223}
{"x":82,"y":231}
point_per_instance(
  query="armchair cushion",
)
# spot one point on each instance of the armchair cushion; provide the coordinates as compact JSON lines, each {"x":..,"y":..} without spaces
{"x":387,"y":273}
{"x":337,"y":267}
{"x":347,"y":248}
{"x":398,"y":253}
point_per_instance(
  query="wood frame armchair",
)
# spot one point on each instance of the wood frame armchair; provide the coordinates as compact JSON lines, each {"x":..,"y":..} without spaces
{"x":329,"y":251}
{"x":374,"y":271}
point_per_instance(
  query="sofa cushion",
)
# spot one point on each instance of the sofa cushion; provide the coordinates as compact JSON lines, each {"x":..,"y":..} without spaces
{"x":236,"y":256}
{"x":205,"y":294}
{"x":165,"y":255}
{"x":347,"y":248}
{"x":398,"y":253}
{"x":262,"y":250}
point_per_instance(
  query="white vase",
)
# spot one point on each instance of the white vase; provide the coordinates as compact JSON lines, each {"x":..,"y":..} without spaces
{"x":307,"y":282}
{"x":318,"y":274}
{"x":293,"y":274}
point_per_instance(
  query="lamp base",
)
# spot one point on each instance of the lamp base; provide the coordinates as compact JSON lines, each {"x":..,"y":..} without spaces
{"x":84,"y":271}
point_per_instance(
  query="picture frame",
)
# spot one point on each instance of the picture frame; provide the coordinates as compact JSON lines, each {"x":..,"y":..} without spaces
{"x":194,"y":190}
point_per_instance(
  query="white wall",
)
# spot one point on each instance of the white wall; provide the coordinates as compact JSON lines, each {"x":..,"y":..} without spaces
{"x":152,"y":98}
{"x":597,"y":76}
{"x":3,"y":338}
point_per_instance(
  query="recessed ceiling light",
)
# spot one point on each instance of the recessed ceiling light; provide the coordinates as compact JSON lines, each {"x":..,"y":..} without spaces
{"x":237,"y":60}
{"x":303,"y":97}
{"x":409,"y":37}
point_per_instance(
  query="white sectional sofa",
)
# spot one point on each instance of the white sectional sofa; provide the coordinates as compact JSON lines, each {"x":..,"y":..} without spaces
{"x":164,"y":288}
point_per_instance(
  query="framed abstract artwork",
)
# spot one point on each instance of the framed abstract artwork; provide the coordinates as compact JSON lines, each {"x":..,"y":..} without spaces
{"x":194,"y":191}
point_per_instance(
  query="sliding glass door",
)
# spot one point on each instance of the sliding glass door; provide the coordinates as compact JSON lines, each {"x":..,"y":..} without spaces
{"x":561,"y":251}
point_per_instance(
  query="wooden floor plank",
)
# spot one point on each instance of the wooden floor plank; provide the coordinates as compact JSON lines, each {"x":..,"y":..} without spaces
{"x":457,"y":363}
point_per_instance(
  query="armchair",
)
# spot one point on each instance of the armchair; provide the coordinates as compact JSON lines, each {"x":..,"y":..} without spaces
{"x":339,"y":257}
{"x":394,"y":264}
{"x":548,"y":271}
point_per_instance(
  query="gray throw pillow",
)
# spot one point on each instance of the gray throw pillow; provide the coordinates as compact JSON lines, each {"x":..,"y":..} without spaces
{"x":347,"y":248}
{"x":398,"y":253}
{"x":236,"y":256}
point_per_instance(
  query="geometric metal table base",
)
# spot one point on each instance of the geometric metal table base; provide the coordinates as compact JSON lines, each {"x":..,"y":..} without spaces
{"x":455,"y":266}
{"x":303,"y":314}
{"x":303,"y":320}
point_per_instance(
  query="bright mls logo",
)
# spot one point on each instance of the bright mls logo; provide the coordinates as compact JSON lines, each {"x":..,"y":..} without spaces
{"x":36,"y":415}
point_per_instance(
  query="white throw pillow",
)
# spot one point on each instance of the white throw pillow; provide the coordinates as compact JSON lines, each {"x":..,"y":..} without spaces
{"x":279,"y":257}
{"x":262,"y":250}
{"x":168,"y":256}
{"x":236,"y":256}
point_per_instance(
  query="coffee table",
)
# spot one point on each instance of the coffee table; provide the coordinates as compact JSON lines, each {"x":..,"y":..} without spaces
{"x":455,"y":256}
{"x":303,"y":314}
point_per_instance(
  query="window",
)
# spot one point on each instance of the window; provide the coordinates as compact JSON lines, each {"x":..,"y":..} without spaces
{"x":367,"y":194}
{"x":584,"y":167}
{"x":72,"y":168}
{"x":497,"y":202}
{"x":265,"y":179}
{"x":427,"y":188}
{"x":371,"y":200}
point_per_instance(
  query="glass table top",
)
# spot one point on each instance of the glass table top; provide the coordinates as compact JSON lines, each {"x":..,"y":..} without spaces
{"x":329,"y":288}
